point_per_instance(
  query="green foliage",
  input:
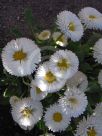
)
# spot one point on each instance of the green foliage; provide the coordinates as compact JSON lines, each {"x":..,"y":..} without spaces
{"x":31,"y":21}
{"x":29,"y":17}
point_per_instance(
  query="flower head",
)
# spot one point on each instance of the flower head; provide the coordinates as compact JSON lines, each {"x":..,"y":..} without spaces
{"x":91,"y":18}
{"x":46,"y":80}
{"x":78,"y":80}
{"x":64,"y":63}
{"x":98,"y":111}
{"x":74,"y":102}
{"x":27,"y":112}
{"x":100,"y":78}
{"x":70,"y":25}
{"x":55,"y":119}
{"x":21,"y":56}
{"x":88,"y":127}
{"x":44,"y":35}
{"x":59,"y":39}
{"x":97,"y":51}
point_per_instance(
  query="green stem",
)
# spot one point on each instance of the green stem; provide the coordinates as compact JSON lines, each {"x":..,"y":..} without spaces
{"x":26,"y":83}
{"x":31,"y":28}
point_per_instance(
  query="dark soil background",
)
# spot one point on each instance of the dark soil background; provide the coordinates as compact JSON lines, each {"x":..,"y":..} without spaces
{"x":12,"y":15}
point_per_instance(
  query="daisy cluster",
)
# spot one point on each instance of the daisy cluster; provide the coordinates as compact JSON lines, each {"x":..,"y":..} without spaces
{"x":59,"y":77}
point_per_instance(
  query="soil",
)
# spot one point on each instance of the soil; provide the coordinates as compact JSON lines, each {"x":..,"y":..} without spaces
{"x":12,"y":15}
{"x":44,"y":11}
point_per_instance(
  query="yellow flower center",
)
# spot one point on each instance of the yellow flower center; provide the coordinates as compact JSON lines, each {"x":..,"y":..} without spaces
{"x":61,"y":39}
{"x":71,"y":26}
{"x":91,"y":132}
{"x":27,"y":112}
{"x":49,"y":77}
{"x":45,"y":34}
{"x":57,"y":117}
{"x":38,"y":90}
{"x":92,"y":17}
{"x":73,"y":101}
{"x":19,"y":55}
{"x":63,"y":64}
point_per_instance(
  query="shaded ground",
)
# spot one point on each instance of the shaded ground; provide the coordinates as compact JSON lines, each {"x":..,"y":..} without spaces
{"x":11,"y":15}
{"x":45,"y":11}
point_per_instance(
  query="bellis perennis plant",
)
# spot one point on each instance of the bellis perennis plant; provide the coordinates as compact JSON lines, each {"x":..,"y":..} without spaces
{"x":54,"y":80}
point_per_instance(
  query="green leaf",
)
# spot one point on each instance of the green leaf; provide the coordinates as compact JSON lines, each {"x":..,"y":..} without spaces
{"x":94,"y":98}
{"x":94,"y":38}
{"x":94,"y":87}
{"x":31,"y":21}
{"x":85,"y":67}
{"x":41,"y":126}
{"x":29,"y":17}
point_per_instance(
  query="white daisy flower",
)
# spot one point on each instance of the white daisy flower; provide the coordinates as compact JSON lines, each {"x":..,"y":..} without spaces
{"x":98,"y":111}
{"x":64,"y":63}
{"x":79,"y":80}
{"x":100,"y":78}
{"x":89,"y":127}
{"x":56,"y":119}
{"x":97,"y":51}
{"x":36,"y":93}
{"x":44,"y":35}
{"x":91,"y":18}
{"x":70,"y":25}
{"x":20,"y":57}
{"x":74,"y":102}
{"x":47,"y":134}
{"x":27,"y":112}
{"x":46,"y":80}
{"x":60,"y":39}
{"x":13,"y":100}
